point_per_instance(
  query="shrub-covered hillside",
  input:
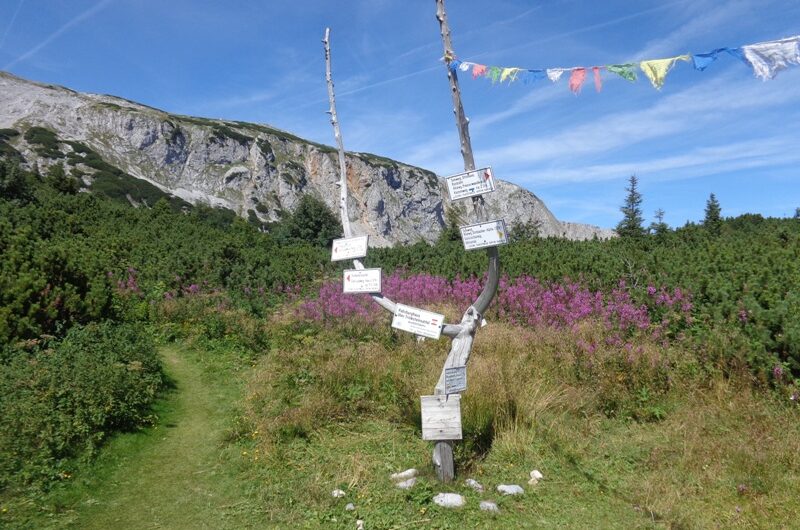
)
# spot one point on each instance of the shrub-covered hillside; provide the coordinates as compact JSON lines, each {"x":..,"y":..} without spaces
{"x":672,"y":339}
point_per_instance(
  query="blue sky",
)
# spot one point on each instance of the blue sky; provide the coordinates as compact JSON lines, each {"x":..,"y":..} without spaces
{"x":720,"y":131}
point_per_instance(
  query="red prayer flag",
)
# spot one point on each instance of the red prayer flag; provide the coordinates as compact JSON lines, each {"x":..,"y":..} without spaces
{"x":576,"y":79}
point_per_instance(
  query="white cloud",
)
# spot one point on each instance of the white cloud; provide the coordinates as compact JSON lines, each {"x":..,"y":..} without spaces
{"x":685,"y":111}
{"x":705,"y":161}
{"x":703,"y":19}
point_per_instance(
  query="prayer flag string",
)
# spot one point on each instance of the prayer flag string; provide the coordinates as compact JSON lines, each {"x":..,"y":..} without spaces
{"x":765,"y":58}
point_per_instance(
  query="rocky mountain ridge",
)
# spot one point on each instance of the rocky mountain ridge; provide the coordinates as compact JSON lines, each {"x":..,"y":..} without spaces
{"x":254,"y":170}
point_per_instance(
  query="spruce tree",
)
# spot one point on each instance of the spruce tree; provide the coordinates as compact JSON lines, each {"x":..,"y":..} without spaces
{"x":659,"y":227}
{"x":713,"y":218}
{"x":631,"y":224}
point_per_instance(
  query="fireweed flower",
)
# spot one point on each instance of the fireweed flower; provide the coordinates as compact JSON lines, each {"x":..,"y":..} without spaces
{"x":523,"y":301}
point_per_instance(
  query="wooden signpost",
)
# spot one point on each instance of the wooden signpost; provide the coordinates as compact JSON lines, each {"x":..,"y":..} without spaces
{"x":441,"y":418}
{"x":441,"y":412}
{"x":361,"y":281}
{"x":418,"y":321}
{"x":470,"y":184}
{"x":483,"y":235}
{"x":455,"y":380}
{"x":349,"y":248}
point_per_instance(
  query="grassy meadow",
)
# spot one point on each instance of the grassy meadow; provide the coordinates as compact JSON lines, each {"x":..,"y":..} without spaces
{"x":185,"y":369}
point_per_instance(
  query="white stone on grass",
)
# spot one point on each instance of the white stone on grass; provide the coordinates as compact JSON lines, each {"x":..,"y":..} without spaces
{"x":449,"y":500}
{"x":359,"y":524}
{"x":407,"y":484}
{"x":489,"y":506}
{"x":474,"y":484}
{"x":404,"y":475}
{"x":536,"y":476}
{"x":350,"y":507}
{"x":337,"y":494}
{"x":510,"y":489}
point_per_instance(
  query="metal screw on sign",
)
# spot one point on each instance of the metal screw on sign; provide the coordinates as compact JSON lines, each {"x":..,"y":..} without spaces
{"x":441,"y":412}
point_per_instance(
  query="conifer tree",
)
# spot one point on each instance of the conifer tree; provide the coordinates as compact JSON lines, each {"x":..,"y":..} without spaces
{"x":659,"y":227}
{"x":631,"y":224}
{"x":713,"y":218}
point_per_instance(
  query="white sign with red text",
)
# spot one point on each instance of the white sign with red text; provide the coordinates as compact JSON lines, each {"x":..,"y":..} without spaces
{"x":470,"y":184}
{"x":417,"y":321}
{"x":349,"y":248}
{"x":361,"y":281}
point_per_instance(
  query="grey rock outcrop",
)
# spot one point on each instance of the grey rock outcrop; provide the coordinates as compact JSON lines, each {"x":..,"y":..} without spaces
{"x":254,"y":169}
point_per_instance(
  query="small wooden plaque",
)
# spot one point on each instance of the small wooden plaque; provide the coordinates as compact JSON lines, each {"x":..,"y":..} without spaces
{"x":441,"y":417}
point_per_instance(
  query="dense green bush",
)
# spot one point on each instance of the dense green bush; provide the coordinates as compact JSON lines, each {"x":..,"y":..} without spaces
{"x":311,"y":222}
{"x":44,"y":142}
{"x":743,"y":278}
{"x":60,"y":401}
{"x":74,"y":259}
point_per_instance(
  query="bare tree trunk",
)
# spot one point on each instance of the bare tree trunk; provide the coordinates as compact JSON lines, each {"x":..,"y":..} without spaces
{"x":462,"y":343}
{"x":462,"y":334}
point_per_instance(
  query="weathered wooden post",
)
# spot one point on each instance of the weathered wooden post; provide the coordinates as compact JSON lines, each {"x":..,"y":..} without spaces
{"x":462,"y":342}
{"x":441,"y":413}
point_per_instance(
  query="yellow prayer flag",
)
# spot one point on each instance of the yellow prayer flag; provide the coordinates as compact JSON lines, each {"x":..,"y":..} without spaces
{"x":657,"y":69}
{"x":508,"y":72}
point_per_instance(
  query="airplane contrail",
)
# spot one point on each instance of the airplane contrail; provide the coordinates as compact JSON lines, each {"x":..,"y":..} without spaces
{"x":11,"y":23}
{"x":60,"y":31}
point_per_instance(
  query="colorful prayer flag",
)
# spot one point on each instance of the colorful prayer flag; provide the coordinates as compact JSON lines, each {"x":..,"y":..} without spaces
{"x":478,"y":70}
{"x":625,"y":71}
{"x":657,"y":70}
{"x":769,"y":58}
{"x":598,"y":83}
{"x":576,"y":79}
{"x":554,"y":74}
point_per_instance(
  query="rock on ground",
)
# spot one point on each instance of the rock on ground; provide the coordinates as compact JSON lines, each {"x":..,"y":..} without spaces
{"x":510,"y":489}
{"x":449,"y":500}
{"x":404,"y":475}
{"x":489,"y":506}
{"x":474,"y":484}
{"x":407,"y":484}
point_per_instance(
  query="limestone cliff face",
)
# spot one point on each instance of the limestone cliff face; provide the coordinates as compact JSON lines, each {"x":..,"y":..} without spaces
{"x":252,"y":169}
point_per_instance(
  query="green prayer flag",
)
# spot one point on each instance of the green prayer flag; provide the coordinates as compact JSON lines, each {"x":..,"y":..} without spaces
{"x":623,"y":70}
{"x":494,"y":73}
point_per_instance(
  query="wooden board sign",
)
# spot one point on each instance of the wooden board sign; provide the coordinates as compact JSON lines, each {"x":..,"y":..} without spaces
{"x":417,"y":321}
{"x":470,"y":184}
{"x":361,"y":281}
{"x":455,"y":379}
{"x":482,"y":235}
{"x":349,"y":248}
{"x":441,"y":417}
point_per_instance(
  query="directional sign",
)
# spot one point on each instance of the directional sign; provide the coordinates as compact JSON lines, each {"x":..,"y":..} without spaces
{"x":361,"y":281}
{"x":349,"y":248}
{"x":484,"y":235}
{"x":441,"y":417}
{"x":455,"y":380}
{"x":470,"y":184}
{"x":417,"y":321}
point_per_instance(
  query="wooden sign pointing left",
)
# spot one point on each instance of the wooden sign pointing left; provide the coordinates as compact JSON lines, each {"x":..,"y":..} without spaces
{"x":349,"y":248}
{"x":361,"y":281}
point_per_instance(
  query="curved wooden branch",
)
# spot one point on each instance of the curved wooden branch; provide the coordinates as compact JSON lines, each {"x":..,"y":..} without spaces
{"x":462,"y":123}
{"x":448,"y":329}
